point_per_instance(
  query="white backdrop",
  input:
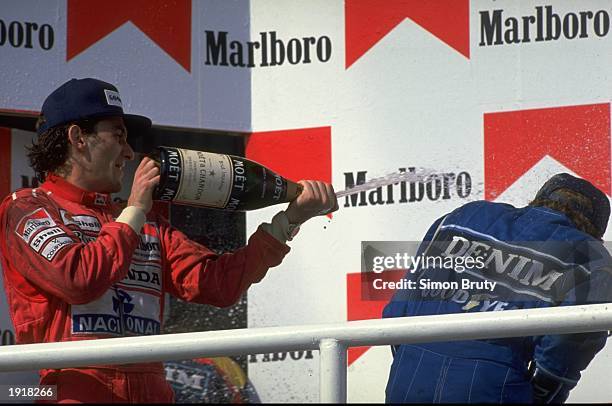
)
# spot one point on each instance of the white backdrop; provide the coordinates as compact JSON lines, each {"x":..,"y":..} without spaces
{"x":389,"y":84}
{"x":411,"y":100}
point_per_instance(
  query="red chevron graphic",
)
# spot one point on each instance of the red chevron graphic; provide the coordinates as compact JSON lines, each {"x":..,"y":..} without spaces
{"x":576,"y":136}
{"x":295,"y":154}
{"x":165,"y":22}
{"x":368,"y":21}
{"x":363,"y":303}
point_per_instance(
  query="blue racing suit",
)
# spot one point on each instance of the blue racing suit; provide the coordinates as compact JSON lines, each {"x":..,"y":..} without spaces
{"x":537,"y":258}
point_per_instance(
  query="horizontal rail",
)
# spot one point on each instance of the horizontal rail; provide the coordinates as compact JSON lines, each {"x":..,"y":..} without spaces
{"x":448,"y":327}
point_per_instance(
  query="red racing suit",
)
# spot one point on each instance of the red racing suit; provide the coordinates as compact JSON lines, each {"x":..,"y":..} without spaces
{"x":73,"y":273}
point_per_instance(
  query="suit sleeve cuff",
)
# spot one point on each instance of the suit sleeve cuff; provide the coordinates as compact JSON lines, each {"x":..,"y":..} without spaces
{"x":134,"y":217}
{"x":279,"y":227}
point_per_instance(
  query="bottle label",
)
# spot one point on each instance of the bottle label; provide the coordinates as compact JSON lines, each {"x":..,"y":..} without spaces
{"x":206,"y":179}
{"x":239,"y":185}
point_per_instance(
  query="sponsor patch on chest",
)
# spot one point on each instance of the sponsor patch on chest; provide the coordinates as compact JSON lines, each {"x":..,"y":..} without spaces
{"x":147,"y":276}
{"x":149,"y":247}
{"x":118,"y":312}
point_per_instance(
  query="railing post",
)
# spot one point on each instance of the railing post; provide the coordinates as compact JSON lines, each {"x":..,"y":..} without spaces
{"x":332,"y":374}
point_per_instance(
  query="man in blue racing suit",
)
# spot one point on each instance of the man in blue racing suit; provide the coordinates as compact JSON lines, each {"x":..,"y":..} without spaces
{"x":549,"y":253}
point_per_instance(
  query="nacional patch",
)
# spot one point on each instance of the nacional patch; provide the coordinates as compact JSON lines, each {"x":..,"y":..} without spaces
{"x":118,"y":312}
{"x":96,"y":323}
{"x":140,"y":325}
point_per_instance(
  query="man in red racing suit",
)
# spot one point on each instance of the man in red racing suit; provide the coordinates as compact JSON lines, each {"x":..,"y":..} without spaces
{"x":77,"y":268}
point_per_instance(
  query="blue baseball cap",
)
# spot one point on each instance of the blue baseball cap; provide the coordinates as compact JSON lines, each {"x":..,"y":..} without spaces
{"x":599,"y":212}
{"x":80,"y":99}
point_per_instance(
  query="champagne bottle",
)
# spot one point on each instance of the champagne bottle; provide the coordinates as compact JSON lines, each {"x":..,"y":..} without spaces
{"x":221,"y":181}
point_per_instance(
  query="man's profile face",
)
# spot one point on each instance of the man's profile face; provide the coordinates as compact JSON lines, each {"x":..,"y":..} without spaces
{"x":108,"y":151}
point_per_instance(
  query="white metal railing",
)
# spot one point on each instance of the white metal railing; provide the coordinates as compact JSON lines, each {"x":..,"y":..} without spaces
{"x":331,"y":340}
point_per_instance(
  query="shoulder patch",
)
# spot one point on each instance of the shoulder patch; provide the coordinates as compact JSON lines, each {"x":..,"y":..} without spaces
{"x":44,"y":236}
{"x":54,"y":246}
{"x":32,"y":223}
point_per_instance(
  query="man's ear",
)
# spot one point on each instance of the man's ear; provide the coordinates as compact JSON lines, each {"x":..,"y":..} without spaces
{"x":76,"y":137}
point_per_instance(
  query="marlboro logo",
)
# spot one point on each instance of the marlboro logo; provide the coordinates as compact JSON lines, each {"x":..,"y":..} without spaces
{"x":267,"y":50}
{"x":437,"y":186}
{"x":32,"y":223}
{"x":543,"y":24}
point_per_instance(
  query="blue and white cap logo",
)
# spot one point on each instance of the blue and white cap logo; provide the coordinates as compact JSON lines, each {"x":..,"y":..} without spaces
{"x":113,"y":98}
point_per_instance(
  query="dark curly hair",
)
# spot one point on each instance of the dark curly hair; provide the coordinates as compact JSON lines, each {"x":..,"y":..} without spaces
{"x":49,"y":151}
{"x":575,"y":216}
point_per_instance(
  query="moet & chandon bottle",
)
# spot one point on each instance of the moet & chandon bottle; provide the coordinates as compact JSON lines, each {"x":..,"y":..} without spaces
{"x":228,"y":182}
